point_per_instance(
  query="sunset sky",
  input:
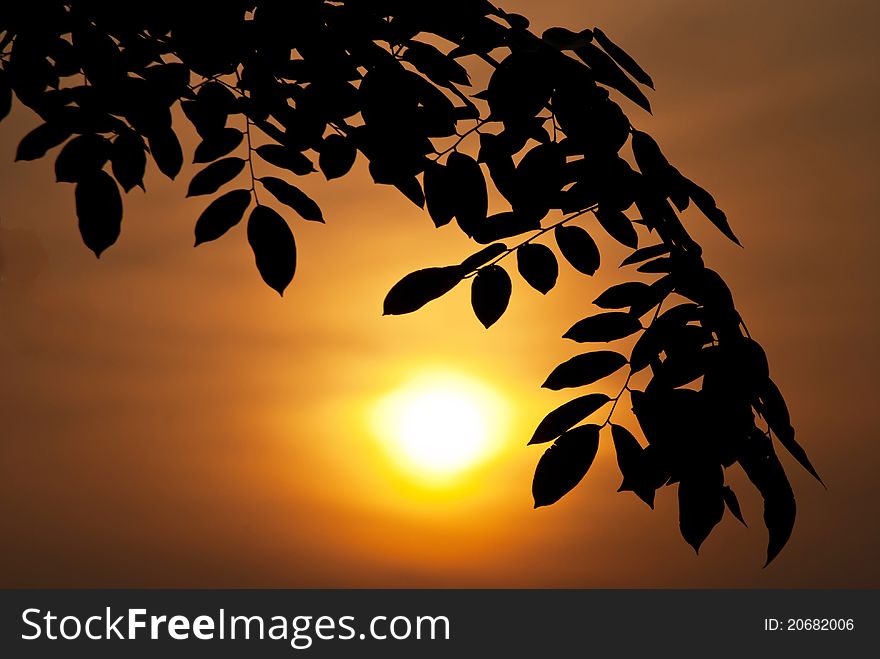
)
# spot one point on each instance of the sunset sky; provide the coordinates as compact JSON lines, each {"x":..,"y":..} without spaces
{"x":168,"y":420}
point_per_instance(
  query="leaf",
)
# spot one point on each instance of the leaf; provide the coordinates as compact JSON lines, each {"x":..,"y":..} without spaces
{"x":645,"y":253}
{"x":214,"y":176}
{"x":618,"y":226}
{"x":471,"y":198}
{"x":490,"y":294}
{"x":537,"y":265}
{"x":420,"y":287}
{"x":99,"y":210}
{"x":411,"y":189}
{"x":128,"y":160}
{"x":775,"y":411}
{"x":565,"y":464}
{"x":218,"y":145}
{"x":759,"y":461}
{"x":274,"y":247}
{"x":584,"y":369}
{"x":482,"y":257}
{"x":337,"y":156}
{"x":631,"y":459}
{"x":706,"y":203}
{"x":732,"y":503}
{"x":221,"y":215}
{"x":36,"y":143}
{"x":81,"y":157}
{"x":436,"y":65}
{"x":439,"y":194}
{"x":564,"y":39}
{"x":166,"y":152}
{"x":292,"y":196}
{"x":567,"y":415}
{"x":700,"y":504}
{"x":626,"y":62}
{"x":285,"y":158}
{"x":604,"y":327}
{"x":624,"y":295}
{"x":578,"y":248}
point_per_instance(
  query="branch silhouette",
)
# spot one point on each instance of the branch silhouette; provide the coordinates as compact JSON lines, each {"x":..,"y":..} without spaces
{"x":278,"y":87}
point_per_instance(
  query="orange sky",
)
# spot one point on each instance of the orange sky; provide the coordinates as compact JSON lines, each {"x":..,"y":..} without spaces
{"x":168,"y":420}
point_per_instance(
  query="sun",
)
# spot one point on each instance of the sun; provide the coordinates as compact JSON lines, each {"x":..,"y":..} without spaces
{"x":439,"y":425}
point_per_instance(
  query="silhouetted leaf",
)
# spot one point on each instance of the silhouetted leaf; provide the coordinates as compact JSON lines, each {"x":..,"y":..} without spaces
{"x":700,"y":504}
{"x":624,"y":295}
{"x":99,"y":210}
{"x":128,"y":160}
{"x":662,"y":264}
{"x":645,"y":253}
{"x":482,"y":257}
{"x":567,"y":415}
{"x":166,"y":151}
{"x":411,"y":189}
{"x":618,"y":226}
{"x":490,"y":294}
{"x":761,"y":465}
{"x":46,"y":136}
{"x":578,"y":248}
{"x":634,"y":466}
{"x":418,"y":288}
{"x":537,"y":265}
{"x":292,"y":196}
{"x":706,"y":203}
{"x":81,"y":157}
{"x":606,"y":71}
{"x":472,"y":198}
{"x":626,"y":62}
{"x":215,"y":176}
{"x":439,"y":194}
{"x":274,"y":247}
{"x":584,"y":369}
{"x":285,"y":158}
{"x":604,"y":327}
{"x":775,"y":411}
{"x":564,"y":464}
{"x":337,"y":156}
{"x":436,"y":65}
{"x":218,"y":145}
{"x":221,"y":215}
{"x":732,"y":503}
{"x":564,"y":39}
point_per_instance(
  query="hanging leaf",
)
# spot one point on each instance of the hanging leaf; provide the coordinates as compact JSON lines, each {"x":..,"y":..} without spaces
{"x":584,"y":369}
{"x":604,"y":327}
{"x":274,"y":247}
{"x":624,"y":295}
{"x":218,"y":145}
{"x":292,"y":196}
{"x":732,"y":503}
{"x":578,"y":248}
{"x":700,"y":504}
{"x":411,"y":189}
{"x":81,"y":157}
{"x":437,"y":66}
{"x":482,"y":257}
{"x":471,"y":198}
{"x":706,"y":203}
{"x":439,"y":194}
{"x":221,"y":215}
{"x":99,"y":210}
{"x":638,"y":477}
{"x":759,"y":461}
{"x":775,"y":411}
{"x":166,"y":152}
{"x":46,"y":136}
{"x":214,"y":176}
{"x":128,"y":160}
{"x":567,"y":415}
{"x":626,"y":62}
{"x":490,"y":294}
{"x":286,"y":158}
{"x":337,"y":156}
{"x":618,"y":226}
{"x":418,"y":288}
{"x":564,"y":39}
{"x":565,"y":464}
{"x":537,"y":265}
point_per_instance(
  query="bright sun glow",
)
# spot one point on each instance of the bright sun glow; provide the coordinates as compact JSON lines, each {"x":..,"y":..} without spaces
{"x":439,"y":425}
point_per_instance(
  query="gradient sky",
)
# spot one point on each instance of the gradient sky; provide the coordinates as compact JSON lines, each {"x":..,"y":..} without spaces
{"x":167,"y":420}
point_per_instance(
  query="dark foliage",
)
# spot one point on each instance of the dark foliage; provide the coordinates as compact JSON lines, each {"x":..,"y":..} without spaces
{"x":303,"y":87}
